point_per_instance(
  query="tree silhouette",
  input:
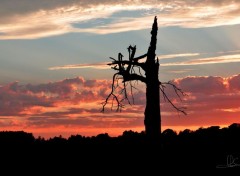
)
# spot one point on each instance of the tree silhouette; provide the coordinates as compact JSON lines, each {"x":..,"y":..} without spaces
{"x":129,"y":71}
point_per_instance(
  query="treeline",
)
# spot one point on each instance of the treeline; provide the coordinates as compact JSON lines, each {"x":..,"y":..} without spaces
{"x":213,"y":134}
{"x":203,"y":148}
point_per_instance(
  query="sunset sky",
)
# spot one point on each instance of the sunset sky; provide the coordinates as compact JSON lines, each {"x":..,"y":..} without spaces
{"x":53,"y":55}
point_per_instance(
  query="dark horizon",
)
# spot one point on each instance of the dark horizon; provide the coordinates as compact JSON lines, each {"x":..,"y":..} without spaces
{"x":205,"y":149}
{"x":233,"y":125}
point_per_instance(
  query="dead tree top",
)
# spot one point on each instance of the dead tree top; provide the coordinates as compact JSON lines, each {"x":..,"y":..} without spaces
{"x":130,"y":70}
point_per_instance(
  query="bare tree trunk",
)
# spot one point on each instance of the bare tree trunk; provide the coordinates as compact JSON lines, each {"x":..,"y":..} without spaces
{"x":127,"y":73}
{"x":152,"y":112}
{"x":152,"y":119}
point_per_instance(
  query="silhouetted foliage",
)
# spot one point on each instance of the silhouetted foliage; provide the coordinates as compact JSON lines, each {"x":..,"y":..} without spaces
{"x":19,"y":137}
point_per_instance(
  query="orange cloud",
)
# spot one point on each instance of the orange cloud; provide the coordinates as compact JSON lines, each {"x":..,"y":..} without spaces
{"x":73,"y":106}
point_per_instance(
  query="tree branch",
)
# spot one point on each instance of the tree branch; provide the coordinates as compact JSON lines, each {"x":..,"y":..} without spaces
{"x":126,"y":71}
{"x":178,"y":91}
{"x":132,"y":77}
{"x":175,"y":88}
{"x":140,"y":57}
{"x":142,"y":65}
{"x":112,"y":94}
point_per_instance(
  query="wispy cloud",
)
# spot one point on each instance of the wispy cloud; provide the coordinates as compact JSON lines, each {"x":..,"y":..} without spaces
{"x":198,"y":61}
{"x":210,"y":60}
{"x":180,"y":71}
{"x":170,"y":56}
{"x":30,"y":20}
{"x":228,"y":52}
{"x":102,"y":65}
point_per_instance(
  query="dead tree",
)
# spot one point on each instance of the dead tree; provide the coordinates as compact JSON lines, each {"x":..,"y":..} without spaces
{"x":129,"y":71}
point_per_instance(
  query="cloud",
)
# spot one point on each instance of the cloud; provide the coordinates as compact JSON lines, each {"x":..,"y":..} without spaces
{"x":221,"y":59}
{"x":234,"y":83}
{"x":206,"y":85}
{"x":211,"y":60}
{"x":209,"y":101}
{"x":20,"y":100}
{"x":170,"y":56}
{"x":69,"y":103}
{"x":31,"y":19}
{"x":74,"y":104}
{"x":210,"y":92}
{"x":13,"y":100}
{"x":102,"y":65}
{"x":180,"y":71}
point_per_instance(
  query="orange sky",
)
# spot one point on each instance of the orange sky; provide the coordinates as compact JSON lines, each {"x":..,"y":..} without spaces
{"x":53,"y":55}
